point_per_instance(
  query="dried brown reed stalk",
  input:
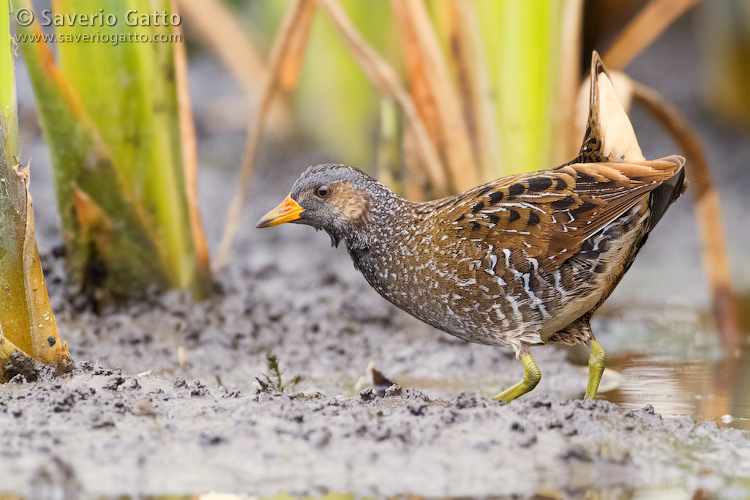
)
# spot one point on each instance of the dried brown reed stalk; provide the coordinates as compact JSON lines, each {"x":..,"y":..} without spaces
{"x":388,"y":159}
{"x":415,"y":180}
{"x":707,"y":209}
{"x":385,"y":80}
{"x":216,"y":24}
{"x":295,"y":16}
{"x":190,"y":157}
{"x":433,"y":93}
{"x":219,"y":28}
{"x":291,"y":65}
{"x":650,"y":22}
{"x":469,"y":59}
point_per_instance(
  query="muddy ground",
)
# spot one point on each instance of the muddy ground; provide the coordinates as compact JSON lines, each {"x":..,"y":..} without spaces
{"x":166,"y":396}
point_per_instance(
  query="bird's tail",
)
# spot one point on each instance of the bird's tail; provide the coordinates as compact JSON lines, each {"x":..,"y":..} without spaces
{"x":610,"y":138}
{"x":609,"y":133}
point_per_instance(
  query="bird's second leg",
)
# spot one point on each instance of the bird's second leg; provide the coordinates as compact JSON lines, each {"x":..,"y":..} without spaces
{"x":579,"y":332}
{"x":597,"y":362}
{"x":531,"y":377}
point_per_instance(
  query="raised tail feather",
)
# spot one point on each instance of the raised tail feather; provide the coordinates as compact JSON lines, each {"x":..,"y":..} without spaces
{"x":610,"y":138}
{"x":609,"y":133}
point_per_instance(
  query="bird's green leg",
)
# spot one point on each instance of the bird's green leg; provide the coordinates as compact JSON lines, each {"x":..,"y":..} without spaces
{"x":531,"y":377}
{"x":597,"y":361}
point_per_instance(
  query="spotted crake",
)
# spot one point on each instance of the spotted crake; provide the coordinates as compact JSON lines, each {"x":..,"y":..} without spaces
{"x":521,"y":261}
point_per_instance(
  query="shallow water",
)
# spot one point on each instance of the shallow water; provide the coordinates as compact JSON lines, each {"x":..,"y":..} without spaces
{"x":672,"y":361}
{"x":715,"y":390}
{"x":668,"y":357}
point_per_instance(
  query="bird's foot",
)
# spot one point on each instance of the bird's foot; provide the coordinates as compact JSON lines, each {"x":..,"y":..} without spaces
{"x":531,"y":377}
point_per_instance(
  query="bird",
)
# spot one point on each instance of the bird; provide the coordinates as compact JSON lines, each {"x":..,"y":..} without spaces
{"x":521,"y":261}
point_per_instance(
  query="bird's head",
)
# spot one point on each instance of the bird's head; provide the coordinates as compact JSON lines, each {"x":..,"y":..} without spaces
{"x":335,"y":198}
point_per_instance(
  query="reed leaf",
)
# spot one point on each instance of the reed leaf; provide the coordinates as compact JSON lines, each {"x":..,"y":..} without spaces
{"x":27,"y":323}
{"x":115,"y":140}
{"x":707,"y":209}
{"x":8,"y":107}
{"x":522,"y":41}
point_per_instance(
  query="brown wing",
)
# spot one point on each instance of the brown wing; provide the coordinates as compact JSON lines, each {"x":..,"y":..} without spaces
{"x":552,"y":212}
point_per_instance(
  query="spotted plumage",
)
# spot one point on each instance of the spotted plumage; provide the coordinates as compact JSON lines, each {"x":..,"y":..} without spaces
{"x":520,"y":261}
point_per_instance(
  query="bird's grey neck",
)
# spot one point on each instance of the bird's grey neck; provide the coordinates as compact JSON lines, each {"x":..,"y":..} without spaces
{"x":389,"y":215}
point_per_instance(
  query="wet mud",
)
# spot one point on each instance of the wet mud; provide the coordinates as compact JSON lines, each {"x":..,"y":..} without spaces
{"x":174,"y":397}
{"x":115,"y":434}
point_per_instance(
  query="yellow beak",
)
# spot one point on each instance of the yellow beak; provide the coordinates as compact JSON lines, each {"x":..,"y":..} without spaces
{"x":288,"y":211}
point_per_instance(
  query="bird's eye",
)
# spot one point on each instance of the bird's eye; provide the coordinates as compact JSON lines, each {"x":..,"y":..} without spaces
{"x":323,"y":191}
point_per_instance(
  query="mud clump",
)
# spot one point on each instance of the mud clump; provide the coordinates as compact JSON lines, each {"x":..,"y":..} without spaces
{"x":21,"y":368}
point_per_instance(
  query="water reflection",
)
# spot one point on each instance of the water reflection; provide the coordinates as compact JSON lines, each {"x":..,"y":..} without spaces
{"x":705,"y":390}
{"x":678,"y":368}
